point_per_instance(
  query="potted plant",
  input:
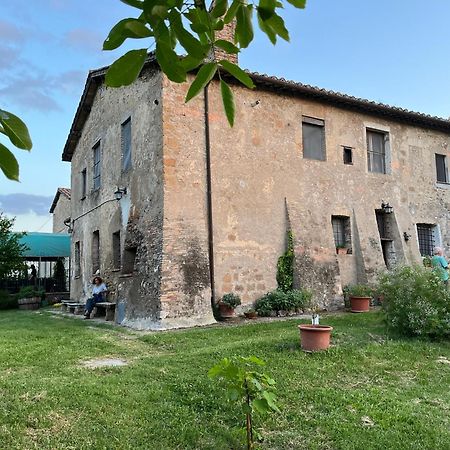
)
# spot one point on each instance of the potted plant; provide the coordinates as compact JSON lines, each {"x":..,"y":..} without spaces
{"x":29,"y":298}
{"x":315,"y":337}
{"x":360,"y":296}
{"x":227,"y":305}
{"x":341,"y":249}
{"x":251,"y":314}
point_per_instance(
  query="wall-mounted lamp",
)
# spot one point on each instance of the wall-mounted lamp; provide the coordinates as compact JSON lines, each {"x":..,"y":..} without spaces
{"x":386,"y":207}
{"x":68,"y":223}
{"x":406,"y":236}
{"x":120,"y":193}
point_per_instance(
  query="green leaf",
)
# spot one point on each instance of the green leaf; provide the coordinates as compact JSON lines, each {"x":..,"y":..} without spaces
{"x":8,"y":164}
{"x":256,"y":360}
{"x":231,"y":13}
{"x":270,"y":397}
{"x":187,"y":41}
{"x":16,"y":130}
{"x":126,"y":28}
{"x":226,"y":45}
{"x":267,"y":8}
{"x":126,"y":69}
{"x":240,"y":75}
{"x":277,"y":24}
{"x":220,"y":8}
{"x":261,"y":405}
{"x":189,"y":63}
{"x":228,"y":102}
{"x":204,"y":76}
{"x":244,"y":26}
{"x":134,"y":3}
{"x":170,"y":62}
{"x":267,"y":30}
{"x":298,"y":3}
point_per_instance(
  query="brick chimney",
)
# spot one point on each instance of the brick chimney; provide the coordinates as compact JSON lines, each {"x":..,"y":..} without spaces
{"x":227,"y":33}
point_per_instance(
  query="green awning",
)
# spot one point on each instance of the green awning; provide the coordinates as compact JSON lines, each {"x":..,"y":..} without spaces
{"x":46,"y":245}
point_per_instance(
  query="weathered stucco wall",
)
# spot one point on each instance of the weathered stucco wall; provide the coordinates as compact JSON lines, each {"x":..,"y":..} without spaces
{"x":138,"y":216}
{"x":259,"y":163}
{"x":60,"y":214}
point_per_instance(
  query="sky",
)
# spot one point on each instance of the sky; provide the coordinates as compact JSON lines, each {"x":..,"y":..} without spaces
{"x":391,"y":51}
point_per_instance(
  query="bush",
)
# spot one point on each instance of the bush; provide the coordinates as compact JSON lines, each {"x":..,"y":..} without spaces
{"x":277,"y":300}
{"x":416,"y":302}
{"x":7,"y":301}
{"x":231,"y":300}
{"x":359,"y":290}
{"x":30,"y":291}
{"x":285,"y":266}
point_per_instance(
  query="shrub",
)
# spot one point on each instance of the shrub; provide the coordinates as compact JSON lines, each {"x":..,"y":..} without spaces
{"x":285,"y":266}
{"x":416,"y":302}
{"x":231,"y":300}
{"x":30,"y":291}
{"x":277,"y":300}
{"x":7,"y":301}
{"x":359,"y":290}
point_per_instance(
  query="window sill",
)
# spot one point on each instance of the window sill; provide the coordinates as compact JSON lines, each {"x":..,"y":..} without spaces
{"x":126,"y":275}
{"x":442,"y":185}
{"x":115,"y":270}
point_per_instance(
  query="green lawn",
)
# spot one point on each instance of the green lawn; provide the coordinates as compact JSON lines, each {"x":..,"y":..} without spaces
{"x":367,"y":392}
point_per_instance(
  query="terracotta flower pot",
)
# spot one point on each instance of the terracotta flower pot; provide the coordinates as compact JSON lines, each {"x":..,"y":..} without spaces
{"x":359,"y":304}
{"x":226,"y":312}
{"x":251,"y":314}
{"x":315,"y":337}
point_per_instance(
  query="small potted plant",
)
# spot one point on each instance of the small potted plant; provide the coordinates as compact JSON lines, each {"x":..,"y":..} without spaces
{"x":251,"y":314}
{"x":315,"y":337}
{"x":341,"y":249}
{"x":227,"y":305}
{"x":360,"y":296}
{"x":30,"y":298}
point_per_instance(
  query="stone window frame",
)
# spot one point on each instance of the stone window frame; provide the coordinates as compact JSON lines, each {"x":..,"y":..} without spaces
{"x":116,"y":251}
{"x":388,"y":144}
{"x":435,"y":235}
{"x":83,"y":183}
{"x":319,"y":123}
{"x":347,"y":155}
{"x":77,"y":259}
{"x":95,"y":251}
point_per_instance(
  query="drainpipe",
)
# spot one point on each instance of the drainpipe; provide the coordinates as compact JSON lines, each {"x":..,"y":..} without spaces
{"x":209,"y":197}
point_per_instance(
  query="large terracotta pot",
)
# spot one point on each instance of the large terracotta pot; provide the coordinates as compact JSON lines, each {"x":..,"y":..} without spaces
{"x":359,"y":304}
{"x":226,"y":312}
{"x":315,"y":337}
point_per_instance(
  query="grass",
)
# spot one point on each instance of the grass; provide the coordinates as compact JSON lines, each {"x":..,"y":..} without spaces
{"x":367,"y":392}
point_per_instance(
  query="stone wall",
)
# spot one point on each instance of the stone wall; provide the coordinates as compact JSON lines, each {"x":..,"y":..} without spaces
{"x":138,"y":215}
{"x":60,"y":214}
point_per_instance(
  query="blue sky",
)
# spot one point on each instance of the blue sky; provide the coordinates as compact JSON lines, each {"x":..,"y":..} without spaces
{"x":395,"y":52}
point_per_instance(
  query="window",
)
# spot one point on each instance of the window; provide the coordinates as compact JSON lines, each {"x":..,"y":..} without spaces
{"x":129,"y":256}
{"x":427,"y":235}
{"x":97,"y":165}
{"x":116,"y":250}
{"x":376,"y":151}
{"x":77,"y":259}
{"x":95,"y":251}
{"x":348,"y":155}
{"x":126,"y":144}
{"x":441,"y":168}
{"x":313,"y":131}
{"x":342,"y":232}
{"x":83,"y":183}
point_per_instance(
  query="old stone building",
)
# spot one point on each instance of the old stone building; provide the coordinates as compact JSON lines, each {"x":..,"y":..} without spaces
{"x":61,"y":210}
{"x":203,"y":209}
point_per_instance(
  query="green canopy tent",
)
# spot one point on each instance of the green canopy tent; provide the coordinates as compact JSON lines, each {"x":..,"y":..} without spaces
{"x":43,"y":250}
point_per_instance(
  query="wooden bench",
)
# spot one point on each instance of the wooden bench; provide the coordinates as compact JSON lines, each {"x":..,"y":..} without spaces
{"x":109,"y":310}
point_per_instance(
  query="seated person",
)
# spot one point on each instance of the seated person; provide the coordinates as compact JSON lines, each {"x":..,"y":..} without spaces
{"x":97,"y":296}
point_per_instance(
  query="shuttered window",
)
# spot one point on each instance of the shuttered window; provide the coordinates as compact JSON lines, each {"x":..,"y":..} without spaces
{"x":97,"y":165}
{"x":313,"y":131}
{"x":126,"y":144}
{"x":376,"y":151}
{"x":441,"y":168}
